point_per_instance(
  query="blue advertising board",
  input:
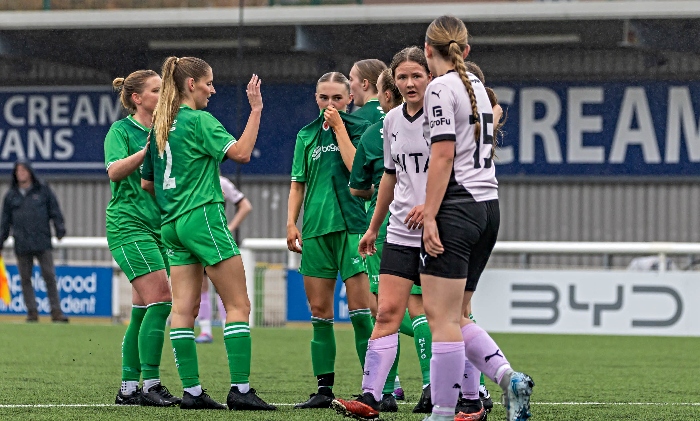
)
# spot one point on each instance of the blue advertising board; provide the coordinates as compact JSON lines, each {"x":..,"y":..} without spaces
{"x":552,"y":129}
{"x":62,"y":129}
{"x":603,"y":129}
{"x":83,"y":291}
{"x":298,"y":306}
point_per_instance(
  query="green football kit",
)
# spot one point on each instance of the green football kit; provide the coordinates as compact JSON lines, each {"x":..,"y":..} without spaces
{"x":332,"y":225}
{"x":329,"y":208}
{"x":371,"y":111}
{"x":188,"y":191}
{"x":132,"y":216}
{"x":133,"y":236}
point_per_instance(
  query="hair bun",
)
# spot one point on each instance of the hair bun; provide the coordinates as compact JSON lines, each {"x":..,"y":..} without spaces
{"x":118,"y":84}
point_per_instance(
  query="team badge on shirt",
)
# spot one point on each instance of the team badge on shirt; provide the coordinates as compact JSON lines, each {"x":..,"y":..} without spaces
{"x":325,"y":125}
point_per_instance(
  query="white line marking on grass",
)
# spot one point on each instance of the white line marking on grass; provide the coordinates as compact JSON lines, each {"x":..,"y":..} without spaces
{"x":107,"y":405}
{"x":70,"y":405}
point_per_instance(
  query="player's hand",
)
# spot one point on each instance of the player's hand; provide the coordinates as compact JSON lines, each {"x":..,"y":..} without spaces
{"x":254,"y":95}
{"x":294,"y":239}
{"x":431,"y":238}
{"x":332,"y":117}
{"x":368,"y":245}
{"x":414,"y":219}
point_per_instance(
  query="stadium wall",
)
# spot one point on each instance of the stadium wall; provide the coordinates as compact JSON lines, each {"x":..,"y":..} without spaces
{"x":531,"y":210}
{"x":543,"y":208}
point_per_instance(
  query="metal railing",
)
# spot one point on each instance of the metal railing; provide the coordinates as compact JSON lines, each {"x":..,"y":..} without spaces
{"x":250,"y":246}
{"x":527,"y":248}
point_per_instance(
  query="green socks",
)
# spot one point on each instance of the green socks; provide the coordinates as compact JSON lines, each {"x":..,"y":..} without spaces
{"x":362,"y":325}
{"x":131,"y":364}
{"x":323,"y":346}
{"x":151,"y":338}
{"x":238,"y":349}
{"x":424,"y":340}
{"x":406,"y":326}
{"x":185,"y":356}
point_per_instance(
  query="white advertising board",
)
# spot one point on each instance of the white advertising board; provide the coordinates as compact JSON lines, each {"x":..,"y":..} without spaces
{"x":589,"y":302}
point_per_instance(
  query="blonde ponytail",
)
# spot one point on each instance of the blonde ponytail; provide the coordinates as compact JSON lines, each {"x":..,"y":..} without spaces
{"x":175,"y":73}
{"x":168,"y":104}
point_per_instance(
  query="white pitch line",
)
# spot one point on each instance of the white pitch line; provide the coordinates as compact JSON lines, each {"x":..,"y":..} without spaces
{"x":106,"y":405}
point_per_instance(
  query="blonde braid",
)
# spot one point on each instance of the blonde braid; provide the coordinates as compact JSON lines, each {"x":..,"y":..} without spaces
{"x":168,"y":104}
{"x":455,"y":54}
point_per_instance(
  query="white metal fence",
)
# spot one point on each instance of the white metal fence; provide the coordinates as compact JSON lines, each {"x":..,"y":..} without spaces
{"x":250,"y":247}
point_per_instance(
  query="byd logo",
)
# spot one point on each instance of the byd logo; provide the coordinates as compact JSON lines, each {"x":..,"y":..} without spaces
{"x":597,"y":309}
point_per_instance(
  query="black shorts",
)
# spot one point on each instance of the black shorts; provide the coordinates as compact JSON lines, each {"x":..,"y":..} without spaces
{"x":401,"y":261}
{"x":468,"y":232}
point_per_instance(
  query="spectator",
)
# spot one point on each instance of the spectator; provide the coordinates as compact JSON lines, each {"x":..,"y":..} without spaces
{"x":28,"y":207}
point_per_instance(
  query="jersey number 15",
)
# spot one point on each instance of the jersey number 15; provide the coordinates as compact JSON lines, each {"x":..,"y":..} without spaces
{"x":486,"y":139}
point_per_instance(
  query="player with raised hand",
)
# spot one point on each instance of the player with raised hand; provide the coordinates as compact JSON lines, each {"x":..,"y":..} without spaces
{"x":332,"y":225}
{"x":363,"y":86}
{"x":182,"y":169}
{"x":401,"y":191}
{"x":461,"y":221}
{"x":133,"y":235}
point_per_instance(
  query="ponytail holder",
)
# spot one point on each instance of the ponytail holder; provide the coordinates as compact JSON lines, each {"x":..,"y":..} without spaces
{"x":451,"y":41}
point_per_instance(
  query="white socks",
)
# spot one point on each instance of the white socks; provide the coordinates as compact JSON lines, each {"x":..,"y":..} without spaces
{"x":129,"y":387}
{"x":194,"y":391}
{"x":242,"y":387}
{"x":148,"y":384}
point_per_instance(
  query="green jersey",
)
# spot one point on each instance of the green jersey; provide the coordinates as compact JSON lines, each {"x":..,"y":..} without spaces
{"x":132,"y":213}
{"x":371,"y":111}
{"x":328,"y":204}
{"x":186,"y":174}
{"x":368,"y":167}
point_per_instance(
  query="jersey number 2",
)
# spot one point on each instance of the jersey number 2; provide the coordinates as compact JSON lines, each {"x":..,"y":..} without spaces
{"x":168,"y":182}
{"x":486,"y":139}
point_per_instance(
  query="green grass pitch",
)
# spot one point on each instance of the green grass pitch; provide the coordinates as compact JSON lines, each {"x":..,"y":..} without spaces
{"x":577,"y":377}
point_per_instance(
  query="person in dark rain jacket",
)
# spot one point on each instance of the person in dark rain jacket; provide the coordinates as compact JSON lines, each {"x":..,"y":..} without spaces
{"x":28,"y":207}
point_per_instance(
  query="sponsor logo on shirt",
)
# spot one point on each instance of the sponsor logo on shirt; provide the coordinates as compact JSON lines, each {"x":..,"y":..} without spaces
{"x":321,"y":149}
{"x":440,"y":122}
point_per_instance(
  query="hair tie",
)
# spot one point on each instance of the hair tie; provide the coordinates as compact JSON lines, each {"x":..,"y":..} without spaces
{"x":451,"y":41}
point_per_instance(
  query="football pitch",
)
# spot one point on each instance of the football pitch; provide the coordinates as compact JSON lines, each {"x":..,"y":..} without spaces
{"x":72,"y":372}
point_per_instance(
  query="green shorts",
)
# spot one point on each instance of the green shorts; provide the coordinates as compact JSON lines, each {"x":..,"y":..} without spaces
{"x":199,"y":236}
{"x":140,"y":258}
{"x":326,"y":255}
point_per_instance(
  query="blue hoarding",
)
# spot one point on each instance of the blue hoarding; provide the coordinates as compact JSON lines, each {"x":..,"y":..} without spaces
{"x":298,"y":306}
{"x":604,"y":129}
{"x":83,"y":291}
{"x":553,"y":129}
